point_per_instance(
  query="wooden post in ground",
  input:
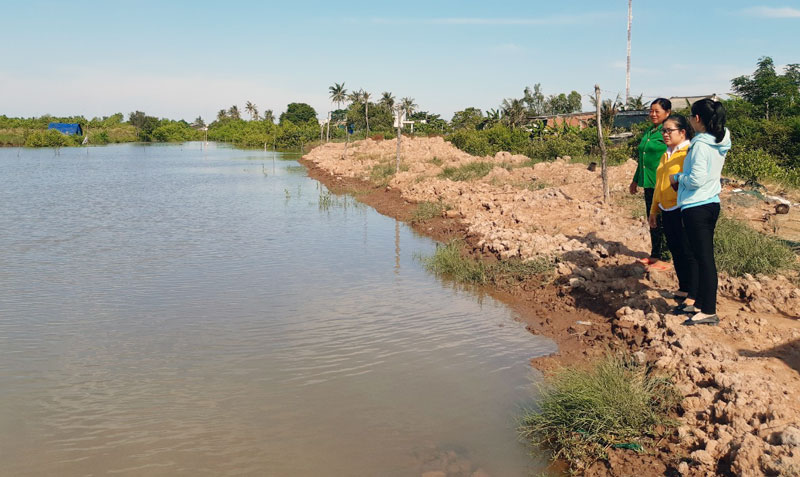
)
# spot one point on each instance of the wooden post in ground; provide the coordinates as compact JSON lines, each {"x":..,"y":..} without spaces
{"x":602,"y":142}
{"x":399,"y":135}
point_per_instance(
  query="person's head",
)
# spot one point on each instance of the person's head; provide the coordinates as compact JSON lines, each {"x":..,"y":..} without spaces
{"x":709,"y":116}
{"x":676,"y":129}
{"x":660,"y":110}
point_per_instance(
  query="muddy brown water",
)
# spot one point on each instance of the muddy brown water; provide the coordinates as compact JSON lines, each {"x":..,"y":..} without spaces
{"x":190,"y":310}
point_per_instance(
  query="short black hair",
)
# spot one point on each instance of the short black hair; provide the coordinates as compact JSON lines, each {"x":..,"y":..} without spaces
{"x":665,"y":104}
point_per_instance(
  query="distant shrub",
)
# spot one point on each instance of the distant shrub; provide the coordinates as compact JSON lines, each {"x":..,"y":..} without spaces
{"x":739,"y":249}
{"x":49,"y":138}
{"x":471,"y":142}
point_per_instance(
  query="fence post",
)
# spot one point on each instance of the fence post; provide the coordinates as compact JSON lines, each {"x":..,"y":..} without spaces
{"x":601,"y":141}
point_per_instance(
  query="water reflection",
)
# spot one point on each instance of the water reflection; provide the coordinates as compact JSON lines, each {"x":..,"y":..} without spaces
{"x":172,"y":310}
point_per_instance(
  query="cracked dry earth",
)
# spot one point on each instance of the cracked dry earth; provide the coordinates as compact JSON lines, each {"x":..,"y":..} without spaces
{"x":740,"y":380}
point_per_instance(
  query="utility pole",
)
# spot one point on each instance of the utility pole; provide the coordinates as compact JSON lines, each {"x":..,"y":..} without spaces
{"x":628,"y":69}
{"x":602,"y":142}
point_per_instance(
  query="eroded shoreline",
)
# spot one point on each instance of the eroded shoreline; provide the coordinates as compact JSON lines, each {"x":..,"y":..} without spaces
{"x":739,"y":415}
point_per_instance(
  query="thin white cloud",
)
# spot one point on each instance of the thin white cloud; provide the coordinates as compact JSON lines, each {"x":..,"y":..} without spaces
{"x":772,"y":12}
{"x":548,"y":20}
{"x":506,"y":48}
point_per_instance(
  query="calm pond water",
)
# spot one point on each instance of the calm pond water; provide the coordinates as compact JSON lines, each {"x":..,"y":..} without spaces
{"x":180,"y":310}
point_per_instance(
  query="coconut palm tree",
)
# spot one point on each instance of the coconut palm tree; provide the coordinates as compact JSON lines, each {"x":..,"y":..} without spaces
{"x":514,"y":112}
{"x":387,"y":99}
{"x":354,"y":97}
{"x":608,"y":110}
{"x":635,"y":103}
{"x":338,"y":94}
{"x":407,"y":104}
{"x":269,"y":116}
{"x":221,"y":114}
{"x":233,"y":112}
{"x":493,"y":116}
{"x":251,"y":110}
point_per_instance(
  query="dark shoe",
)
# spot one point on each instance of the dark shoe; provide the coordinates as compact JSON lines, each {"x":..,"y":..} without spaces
{"x":712,"y":320}
{"x":683,"y":308}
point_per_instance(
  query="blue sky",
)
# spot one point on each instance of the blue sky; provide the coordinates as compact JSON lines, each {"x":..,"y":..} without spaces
{"x":181,"y":59}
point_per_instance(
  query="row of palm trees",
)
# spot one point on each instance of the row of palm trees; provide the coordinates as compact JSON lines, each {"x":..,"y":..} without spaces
{"x":250,"y":108}
{"x":339,"y":95}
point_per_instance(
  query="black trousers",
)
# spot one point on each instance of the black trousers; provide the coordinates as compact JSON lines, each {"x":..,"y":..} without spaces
{"x":682,"y":256}
{"x":658,"y":248}
{"x":699,"y":223}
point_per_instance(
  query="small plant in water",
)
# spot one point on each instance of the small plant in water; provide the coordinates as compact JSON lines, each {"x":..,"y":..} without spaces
{"x":288,"y":195}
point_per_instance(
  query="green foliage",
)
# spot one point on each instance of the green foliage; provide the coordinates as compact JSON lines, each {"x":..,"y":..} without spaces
{"x":549,"y":148}
{"x":298,"y":113}
{"x":428,"y":210}
{"x":739,"y":249}
{"x":471,"y":142}
{"x":174,"y":131}
{"x":51,"y":138}
{"x":771,"y":94}
{"x":472,"y":170}
{"x":469,"y":118}
{"x":449,"y":262}
{"x":583,"y":412}
{"x":382,"y":173}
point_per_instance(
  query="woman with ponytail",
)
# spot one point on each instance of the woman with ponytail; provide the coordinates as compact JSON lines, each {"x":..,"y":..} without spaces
{"x":677,"y":133}
{"x":698,"y":189}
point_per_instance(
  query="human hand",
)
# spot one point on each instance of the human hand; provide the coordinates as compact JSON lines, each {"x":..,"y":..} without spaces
{"x":652,"y":221}
{"x":633,"y":188}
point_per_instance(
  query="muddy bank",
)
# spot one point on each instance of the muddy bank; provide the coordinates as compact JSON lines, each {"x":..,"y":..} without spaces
{"x":740,"y":414}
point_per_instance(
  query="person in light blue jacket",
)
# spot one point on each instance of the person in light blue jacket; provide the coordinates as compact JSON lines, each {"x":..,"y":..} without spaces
{"x":698,"y":198}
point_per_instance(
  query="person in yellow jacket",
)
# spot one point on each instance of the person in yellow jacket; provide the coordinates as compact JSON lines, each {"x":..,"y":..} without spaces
{"x":676,"y":132}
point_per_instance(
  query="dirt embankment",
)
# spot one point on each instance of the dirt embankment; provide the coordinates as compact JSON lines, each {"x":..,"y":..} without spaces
{"x":741,"y":380}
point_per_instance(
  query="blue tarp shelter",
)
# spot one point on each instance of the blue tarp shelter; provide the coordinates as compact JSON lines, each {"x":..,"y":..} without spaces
{"x":69,"y":129}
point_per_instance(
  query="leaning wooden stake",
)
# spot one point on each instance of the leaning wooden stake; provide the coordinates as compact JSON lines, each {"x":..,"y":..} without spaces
{"x":603,"y":171}
{"x":399,"y":135}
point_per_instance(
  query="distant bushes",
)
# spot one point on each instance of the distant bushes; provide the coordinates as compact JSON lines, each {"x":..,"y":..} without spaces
{"x":740,"y":249}
{"x":51,"y":138}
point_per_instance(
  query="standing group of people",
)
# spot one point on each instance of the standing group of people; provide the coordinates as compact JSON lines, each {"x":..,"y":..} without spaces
{"x":679,"y":167}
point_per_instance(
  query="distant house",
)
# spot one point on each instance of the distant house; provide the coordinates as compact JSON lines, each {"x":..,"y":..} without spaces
{"x":626,"y":119}
{"x":686,"y":102}
{"x":70,"y":129}
{"x":580,"y":120}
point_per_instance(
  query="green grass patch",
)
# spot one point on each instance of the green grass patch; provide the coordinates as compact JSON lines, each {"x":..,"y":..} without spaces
{"x":428,"y":210}
{"x":584,"y":412}
{"x":436,"y":161}
{"x":739,"y":249}
{"x":450,"y":263}
{"x":382,"y":173}
{"x":473,"y":170}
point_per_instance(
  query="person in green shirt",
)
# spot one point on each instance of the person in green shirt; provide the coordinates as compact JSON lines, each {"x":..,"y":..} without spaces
{"x":650,"y":151}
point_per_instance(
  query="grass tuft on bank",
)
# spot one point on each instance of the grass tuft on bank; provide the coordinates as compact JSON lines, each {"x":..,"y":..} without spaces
{"x":740,"y":249}
{"x":473,"y":170}
{"x":582,"y":413}
{"x":449,"y":262}
{"x":428,"y":210}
